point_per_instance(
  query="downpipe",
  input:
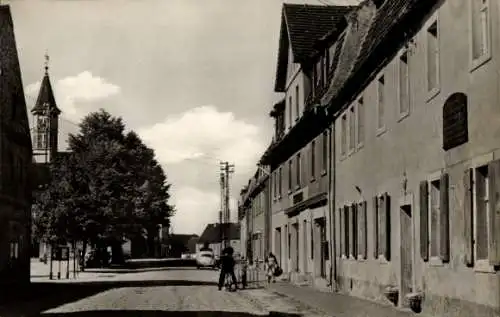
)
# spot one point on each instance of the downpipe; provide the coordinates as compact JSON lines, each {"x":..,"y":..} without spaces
{"x":331,"y":199}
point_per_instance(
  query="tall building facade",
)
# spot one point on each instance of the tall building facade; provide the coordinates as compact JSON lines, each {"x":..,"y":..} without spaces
{"x":16,"y":164}
{"x":405,"y":95}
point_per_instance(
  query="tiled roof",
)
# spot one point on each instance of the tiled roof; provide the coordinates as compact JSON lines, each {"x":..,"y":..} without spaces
{"x":45,"y":97}
{"x":357,"y":29}
{"x":212,"y":232}
{"x":304,"y":25}
{"x":367,"y":33}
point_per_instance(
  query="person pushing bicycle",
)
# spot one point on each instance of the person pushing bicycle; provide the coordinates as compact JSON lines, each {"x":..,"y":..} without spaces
{"x":227,"y":267}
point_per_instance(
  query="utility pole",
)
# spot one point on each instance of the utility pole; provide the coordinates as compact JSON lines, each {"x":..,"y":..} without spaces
{"x":226,"y":170}
{"x":222,"y":204}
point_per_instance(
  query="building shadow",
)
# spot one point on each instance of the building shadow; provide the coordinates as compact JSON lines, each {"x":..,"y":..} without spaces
{"x":159,"y":313}
{"x":41,"y":296}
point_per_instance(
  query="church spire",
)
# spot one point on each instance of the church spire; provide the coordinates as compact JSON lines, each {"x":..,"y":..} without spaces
{"x":46,"y":100}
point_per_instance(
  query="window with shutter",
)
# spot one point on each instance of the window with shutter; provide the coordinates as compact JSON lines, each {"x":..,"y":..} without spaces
{"x":424,"y":220}
{"x":494,"y":214}
{"x":362,"y":232}
{"x":468,"y":218}
{"x":434,"y":218}
{"x":290,"y":177}
{"x":342,"y":232}
{"x":346,"y":231}
{"x":481,"y":206}
{"x":353,"y":232}
{"x":375,"y":227}
{"x":444,"y":222}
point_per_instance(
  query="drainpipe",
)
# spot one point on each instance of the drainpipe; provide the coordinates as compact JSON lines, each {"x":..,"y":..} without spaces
{"x":331,"y":201}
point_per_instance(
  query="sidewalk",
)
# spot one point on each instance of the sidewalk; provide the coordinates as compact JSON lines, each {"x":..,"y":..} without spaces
{"x":337,"y":305}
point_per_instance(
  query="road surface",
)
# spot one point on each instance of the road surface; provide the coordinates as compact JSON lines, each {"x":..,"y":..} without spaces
{"x":162,"y":293}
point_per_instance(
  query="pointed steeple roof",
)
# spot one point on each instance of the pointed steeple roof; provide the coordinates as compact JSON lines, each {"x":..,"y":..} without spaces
{"x":46,"y":99}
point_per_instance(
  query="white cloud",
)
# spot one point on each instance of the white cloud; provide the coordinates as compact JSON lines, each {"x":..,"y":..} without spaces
{"x":73,"y":92}
{"x":195,"y":209}
{"x":189,"y":141}
{"x":204,"y":132}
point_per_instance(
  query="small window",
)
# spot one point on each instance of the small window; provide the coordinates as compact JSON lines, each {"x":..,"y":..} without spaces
{"x":343,"y":135}
{"x":280,"y":181}
{"x":404,"y":85}
{"x":380,"y":103}
{"x":433,"y":57}
{"x":352,"y":128}
{"x":297,"y":103}
{"x":361,"y":122}
{"x":480,"y":29}
{"x":481,"y":208}
{"x":313,"y":159}
{"x":297,"y":170}
{"x":455,"y":121}
{"x":290,"y":114}
{"x":324,"y":151}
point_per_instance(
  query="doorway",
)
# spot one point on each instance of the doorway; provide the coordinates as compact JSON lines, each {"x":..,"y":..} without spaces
{"x":304,"y":241}
{"x":406,"y":232}
{"x":277,"y":244}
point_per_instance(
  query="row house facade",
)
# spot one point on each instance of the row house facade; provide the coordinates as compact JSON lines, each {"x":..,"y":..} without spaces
{"x":385,"y":155}
{"x":254,"y":209}
{"x":299,"y":157}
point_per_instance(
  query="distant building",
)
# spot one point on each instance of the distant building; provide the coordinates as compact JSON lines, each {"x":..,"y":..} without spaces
{"x":180,"y":243}
{"x":255,"y":210}
{"x":212,"y":236}
{"x":16,"y":158}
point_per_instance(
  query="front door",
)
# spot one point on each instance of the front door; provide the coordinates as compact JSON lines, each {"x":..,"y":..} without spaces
{"x":406,"y":250}
{"x":277,"y":244}
{"x":304,"y":241}
{"x":322,"y":231}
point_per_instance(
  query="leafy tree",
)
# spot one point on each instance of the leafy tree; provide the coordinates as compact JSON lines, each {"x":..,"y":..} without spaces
{"x":109,"y":186}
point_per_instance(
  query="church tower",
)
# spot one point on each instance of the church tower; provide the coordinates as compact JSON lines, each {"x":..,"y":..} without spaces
{"x":45,"y":121}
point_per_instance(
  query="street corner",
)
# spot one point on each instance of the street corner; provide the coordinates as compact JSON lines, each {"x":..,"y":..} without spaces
{"x":279,"y":305}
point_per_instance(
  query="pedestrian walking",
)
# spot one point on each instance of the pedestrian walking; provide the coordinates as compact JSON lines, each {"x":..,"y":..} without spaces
{"x":227,"y":267}
{"x":271,"y":263}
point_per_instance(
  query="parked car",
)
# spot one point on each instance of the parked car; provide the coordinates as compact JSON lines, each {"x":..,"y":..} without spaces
{"x":205,"y":258}
{"x":185,"y":256}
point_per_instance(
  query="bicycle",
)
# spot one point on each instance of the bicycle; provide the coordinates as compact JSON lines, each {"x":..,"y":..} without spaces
{"x":228,"y":283}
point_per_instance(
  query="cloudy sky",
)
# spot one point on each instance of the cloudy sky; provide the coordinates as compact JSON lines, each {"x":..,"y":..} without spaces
{"x":193,"y":77}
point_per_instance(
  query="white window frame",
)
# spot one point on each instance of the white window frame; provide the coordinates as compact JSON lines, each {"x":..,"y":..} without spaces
{"x":381,"y":127}
{"x":482,"y":265}
{"x":434,"y":260}
{"x":475,"y":63}
{"x":404,"y":114}
{"x":433,"y":92}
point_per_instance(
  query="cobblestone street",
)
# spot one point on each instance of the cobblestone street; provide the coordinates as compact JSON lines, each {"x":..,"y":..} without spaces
{"x":167,"y":292}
